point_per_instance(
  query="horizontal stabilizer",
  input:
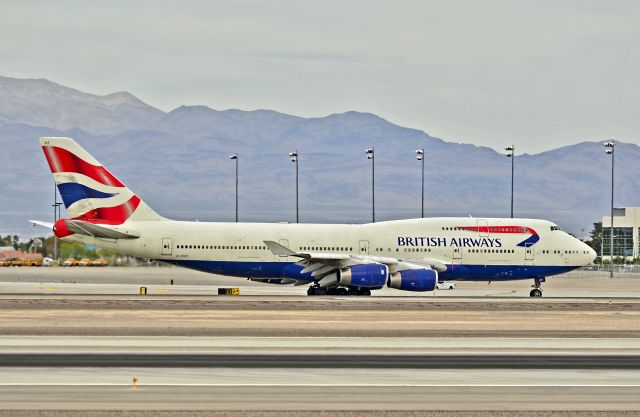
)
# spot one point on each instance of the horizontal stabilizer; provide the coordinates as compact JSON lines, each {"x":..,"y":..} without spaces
{"x":94,"y":230}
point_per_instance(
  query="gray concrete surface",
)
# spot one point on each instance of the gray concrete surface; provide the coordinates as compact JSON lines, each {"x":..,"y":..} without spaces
{"x":318,"y":413}
{"x":127,"y":280}
{"x":317,"y":345}
{"x":317,"y":377}
{"x":576,"y":349}
{"x":601,"y":361}
{"x":171,"y":397}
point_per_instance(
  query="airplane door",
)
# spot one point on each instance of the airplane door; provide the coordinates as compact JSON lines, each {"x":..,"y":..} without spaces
{"x":166,"y":246}
{"x":457,"y":253}
{"x":364,"y":247}
{"x":285,"y":243}
{"x":528,"y":253}
{"x":483,"y":227}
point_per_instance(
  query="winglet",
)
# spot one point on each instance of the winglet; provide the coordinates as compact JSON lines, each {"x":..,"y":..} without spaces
{"x":279,"y":250}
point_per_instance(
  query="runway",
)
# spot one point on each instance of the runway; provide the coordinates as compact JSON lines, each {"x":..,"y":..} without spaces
{"x":374,"y":400}
{"x":333,"y":361}
{"x":79,"y":344}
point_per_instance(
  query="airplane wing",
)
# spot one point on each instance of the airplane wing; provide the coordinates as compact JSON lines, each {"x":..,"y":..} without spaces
{"x":321,"y":264}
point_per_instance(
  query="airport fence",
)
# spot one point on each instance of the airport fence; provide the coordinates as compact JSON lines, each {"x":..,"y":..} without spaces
{"x":602,"y":271}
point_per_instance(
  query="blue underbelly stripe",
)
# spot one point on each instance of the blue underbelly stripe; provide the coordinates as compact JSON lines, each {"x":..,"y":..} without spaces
{"x":453,"y":272}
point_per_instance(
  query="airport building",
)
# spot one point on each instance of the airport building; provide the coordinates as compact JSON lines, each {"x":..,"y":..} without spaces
{"x":626,"y":233}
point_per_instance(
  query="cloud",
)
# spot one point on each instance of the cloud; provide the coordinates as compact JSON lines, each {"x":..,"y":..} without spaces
{"x":535,"y":73}
{"x":325,"y":57}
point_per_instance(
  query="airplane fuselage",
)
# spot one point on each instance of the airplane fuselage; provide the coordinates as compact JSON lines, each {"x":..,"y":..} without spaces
{"x":471,"y":249}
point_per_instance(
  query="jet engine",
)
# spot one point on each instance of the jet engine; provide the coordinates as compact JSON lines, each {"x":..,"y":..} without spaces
{"x":422,"y":279}
{"x":363,"y":275}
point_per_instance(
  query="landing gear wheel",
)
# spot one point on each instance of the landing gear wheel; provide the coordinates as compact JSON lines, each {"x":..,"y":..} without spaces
{"x":311,"y":291}
{"x":359,"y":291}
{"x":342,"y":291}
{"x":536,"y":292}
{"x":537,"y":288}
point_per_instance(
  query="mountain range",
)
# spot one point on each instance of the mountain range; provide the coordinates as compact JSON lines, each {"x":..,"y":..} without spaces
{"x":178,"y":163}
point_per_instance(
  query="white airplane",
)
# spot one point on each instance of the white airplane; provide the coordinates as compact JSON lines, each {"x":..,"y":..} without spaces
{"x":335,"y":259}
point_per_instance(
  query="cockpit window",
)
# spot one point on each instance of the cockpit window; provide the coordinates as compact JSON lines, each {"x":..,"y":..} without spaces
{"x":555,"y":228}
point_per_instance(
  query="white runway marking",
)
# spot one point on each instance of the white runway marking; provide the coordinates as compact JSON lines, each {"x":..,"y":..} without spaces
{"x":13,"y":376}
{"x":2,"y":384}
{"x":310,"y":345}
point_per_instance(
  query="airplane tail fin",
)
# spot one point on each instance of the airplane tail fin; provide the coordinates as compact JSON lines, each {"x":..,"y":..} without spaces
{"x":89,"y":191}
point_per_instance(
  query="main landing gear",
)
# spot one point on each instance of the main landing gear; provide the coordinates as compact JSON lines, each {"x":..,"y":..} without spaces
{"x":537,"y":288}
{"x":340,"y":291}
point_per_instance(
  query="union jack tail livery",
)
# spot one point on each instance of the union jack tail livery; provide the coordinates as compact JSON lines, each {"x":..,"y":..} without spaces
{"x":89,"y":191}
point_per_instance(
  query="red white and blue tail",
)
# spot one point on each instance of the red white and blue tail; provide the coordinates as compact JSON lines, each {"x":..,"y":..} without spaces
{"x":89,"y":191}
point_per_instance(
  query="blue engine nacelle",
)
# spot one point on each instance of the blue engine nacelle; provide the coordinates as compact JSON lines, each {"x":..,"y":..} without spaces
{"x":414,"y":280}
{"x":364,"y":275}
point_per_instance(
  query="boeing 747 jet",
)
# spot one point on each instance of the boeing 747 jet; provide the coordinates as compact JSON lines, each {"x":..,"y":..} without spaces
{"x":334,"y":259}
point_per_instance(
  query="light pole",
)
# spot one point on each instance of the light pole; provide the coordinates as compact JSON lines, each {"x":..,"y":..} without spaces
{"x":420,"y":157}
{"x":609,"y":148}
{"x":294,"y":158}
{"x":511,"y":153}
{"x":234,"y":157}
{"x":371,"y":155}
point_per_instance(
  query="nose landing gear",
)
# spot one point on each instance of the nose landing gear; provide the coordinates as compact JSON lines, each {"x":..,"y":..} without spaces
{"x":537,"y":288}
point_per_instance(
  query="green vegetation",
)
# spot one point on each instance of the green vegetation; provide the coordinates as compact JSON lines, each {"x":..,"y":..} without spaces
{"x":76,"y":250}
{"x":595,"y":241}
{"x":35,"y":245}
{"x":9,"y":241}
{"x":80,"y":251}
{"x":44,"y":246}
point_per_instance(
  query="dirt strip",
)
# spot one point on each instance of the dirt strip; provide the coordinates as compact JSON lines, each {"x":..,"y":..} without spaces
{"x":280,"y":303}
{"x":367,"y":413}
{"x":322,"y":317}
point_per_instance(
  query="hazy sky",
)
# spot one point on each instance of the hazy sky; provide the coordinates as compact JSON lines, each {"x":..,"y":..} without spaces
{"x":537,"y":73}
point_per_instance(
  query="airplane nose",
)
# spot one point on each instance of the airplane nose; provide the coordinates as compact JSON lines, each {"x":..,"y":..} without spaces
{"x":590,"y":255}
{"x":593,"y":255}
